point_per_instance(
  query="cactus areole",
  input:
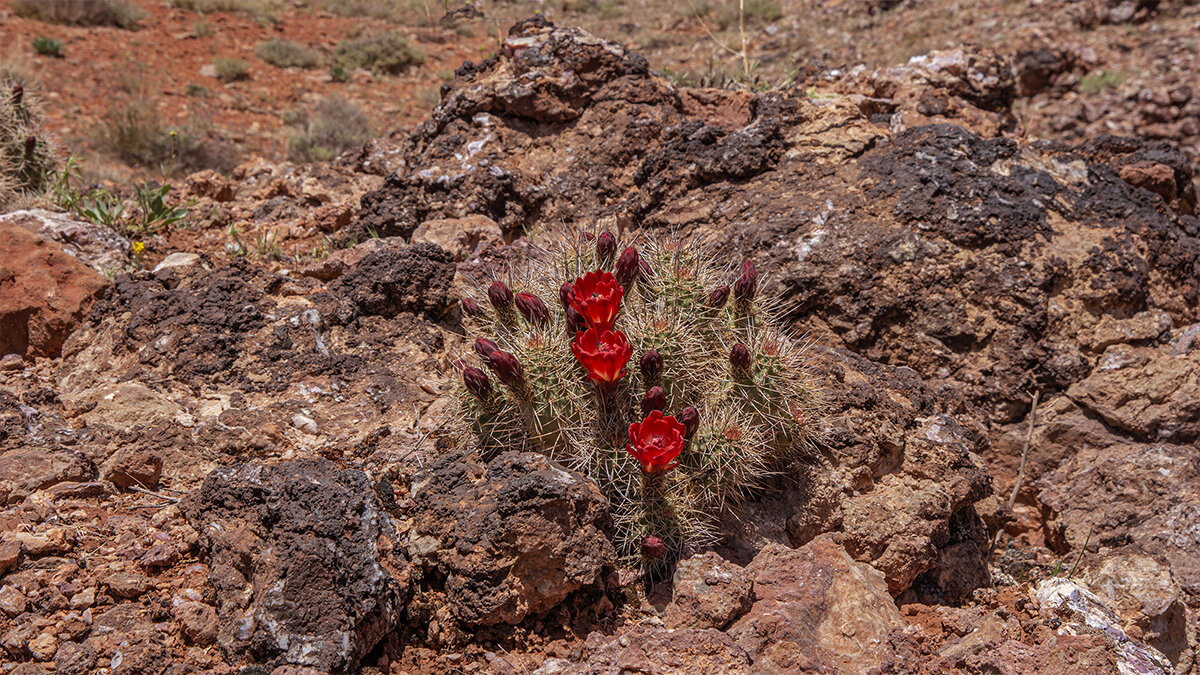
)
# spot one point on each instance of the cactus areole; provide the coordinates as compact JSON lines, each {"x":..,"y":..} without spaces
{"x":717,"y":402}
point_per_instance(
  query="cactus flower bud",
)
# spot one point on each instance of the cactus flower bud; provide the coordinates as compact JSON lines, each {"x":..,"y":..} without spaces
{"x":564,"y":294}
{"x":507,"y":368}
{"x":477,"y":383}
{"x":739,"y":358}
{"x":500,"y":295}
{"x":18,"y":93}
{"x":471,"y":308}
{"x":532,"y":308}
{"x":689,"y":417}
{"x":606,"y":247}
{"x":651,"y":365}
{"x":644,"y":271}
{"x":747,"y":284}
{"x":30,"y":146}
{"x":627,"y":267}
{"x":653,"y":548}
{"x":655,"y":399}
{"x":575,"y":322}
{"x":586,"y":236}
{"x":717,"y":298}
{"x":485,"y":348}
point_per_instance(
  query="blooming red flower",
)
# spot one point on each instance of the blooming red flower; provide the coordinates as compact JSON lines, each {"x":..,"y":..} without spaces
{"x":603,"y":354}
{"x":655,"y":442}
{"x":597,"y":297}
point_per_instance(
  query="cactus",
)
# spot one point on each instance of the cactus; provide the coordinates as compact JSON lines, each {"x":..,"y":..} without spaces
{"x":28,"y":153}
{"x":681,"y":365}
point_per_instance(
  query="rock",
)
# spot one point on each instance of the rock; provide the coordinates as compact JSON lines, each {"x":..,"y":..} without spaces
{"x":159,"y":556}
{"x":685,"y":651}
{"x":74,"y":658}
{"x":125,"y":405}
{"x":12,"y":362}
{"x":12,"y":601}
{"x":1142,"y":592}
{"x":43,"y":647}
{"x":1084,"y":613}
{"x":96,"y":246}
{"x":511,"y":537}
{"x":24,"y":470}
{"x":10,"y":552}
{"x":127,"y":584}
{"x":462,"y":237}
{"x":44,"y":293}
{"x":129,"y":467}
{"x":403,"y":279}
{"x":177,"y":261}
{"x":816,"y":609}
{"x":300,"y":558}
{"x":708,"y":592}
{"x":46,"y":542}
{"x":210,"y":184}
{"x":198,"y":620}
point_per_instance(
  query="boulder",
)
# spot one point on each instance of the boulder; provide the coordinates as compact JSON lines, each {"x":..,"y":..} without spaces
{"x":512,"y":537}
{"x":301,"y":563}
{"x":708,"y":592}
{"x":685,"y":651}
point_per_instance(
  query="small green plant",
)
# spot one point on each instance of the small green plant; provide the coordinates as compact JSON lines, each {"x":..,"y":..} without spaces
{"x":202,"y":29}
{"x":102,"y":208}
{"x":1101,"y":80}
{"x":154,"y":213}
{"x":660,"y":374}
{"x":196,"y":90}
{"x":389,"y":53}
{"x":117,"y":13}
{"x":287,"y":54}
{"x":231,"y":70}
{"x":250,"y":7}
{"x":265,"y":245}
{"x":48,"y":46}
{"x":234,"y":247}
{"x":338,"y":73}
{"x":333,"y":126}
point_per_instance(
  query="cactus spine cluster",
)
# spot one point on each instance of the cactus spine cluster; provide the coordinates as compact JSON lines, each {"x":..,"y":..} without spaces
{"x":706,"y":360}
{"x":28,"y":154}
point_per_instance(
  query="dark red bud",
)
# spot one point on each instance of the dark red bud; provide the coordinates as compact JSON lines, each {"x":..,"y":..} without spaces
{"x":627,"y":267}
{"x":575,"y":322}
{"x":747,"y":284}
{"x":471,"y":308}
{"x":739,"y":358}
{"x":586,"y":236}
{"x":30,"y":146}
{"x":485,"y":348}
{"x":532,"y":308}
{"x":564,"y":294}
{"x":644,"y":272}
{"x":651,"y":365}
{"x":18,"y":92}
{"x":606,"y":247}
{"x":653,"y":548}
{"x":717,"y":298}
{"x":507,"y":368}
{"x":477,"y":383}
{"x":655,"y":399}
{"x":690,"y":419}
{"x":500,"y":295}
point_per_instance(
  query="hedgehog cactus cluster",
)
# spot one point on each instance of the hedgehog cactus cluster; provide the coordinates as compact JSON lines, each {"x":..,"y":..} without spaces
{"x":28,"y":157}
{"x":659,"y":373}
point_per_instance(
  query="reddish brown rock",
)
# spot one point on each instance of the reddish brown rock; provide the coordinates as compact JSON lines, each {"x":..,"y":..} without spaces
{"x":708,"y":592}
{"x":685,"y":651}
{"x":44,"y":293}
{"x":25,"y":470}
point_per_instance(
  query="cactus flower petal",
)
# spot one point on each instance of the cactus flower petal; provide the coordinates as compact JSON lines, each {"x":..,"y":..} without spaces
{"x":655,"y":442}
{"x":602,"y":354}
{"x":597,"y":297}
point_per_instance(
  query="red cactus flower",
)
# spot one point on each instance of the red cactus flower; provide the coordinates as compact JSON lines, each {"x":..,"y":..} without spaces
{"x":532,"y":308}
{"x":597,"y":297}
{"x":655,"y":442}
{"x":575,"y":321}
{"x":653,"y":548}
{"x":603,"y":354}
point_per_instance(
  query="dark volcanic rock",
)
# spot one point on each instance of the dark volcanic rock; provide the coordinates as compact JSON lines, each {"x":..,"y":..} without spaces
{"x":391,"y":280}
{"x":300,"y":563}
{"x":512,"y":537}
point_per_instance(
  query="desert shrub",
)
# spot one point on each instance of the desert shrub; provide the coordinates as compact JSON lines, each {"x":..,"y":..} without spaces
{"x":252,"y":7}
{"x":134,"y":132}
{"x":29,"y":155}
{"x":48,"y":46}
{"x":1101,"y":80}
{"x":231,"y":70}
{"x":333,"y":126}
{"x":679,"y":412}
{"x":396,"y":11}
{"x":389,"y":52}
{"x":117,"y":13}
{"x":287,"y":54}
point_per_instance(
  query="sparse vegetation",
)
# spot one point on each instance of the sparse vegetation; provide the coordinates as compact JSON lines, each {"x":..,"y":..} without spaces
{"x":231,"y":70}
{"x":1101,"y":80}
{"x":287,"y":54}
{"x":133,"y":132}
{"x":333,"y":126}
{"x":28,"y":153}
{"x":252,"y":7}
{"x":117,"y":13}
{"x":48,"y":46}
{"x":389,"y":52}
{"x":421,"y":12}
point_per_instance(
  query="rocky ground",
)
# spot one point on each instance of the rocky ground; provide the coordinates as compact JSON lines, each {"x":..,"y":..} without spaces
{"x":234,"y":458}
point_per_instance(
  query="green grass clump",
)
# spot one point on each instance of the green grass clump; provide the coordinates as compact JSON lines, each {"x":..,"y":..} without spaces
{"x":48,"y":46}
{"x":754,"y":421}
{"x":333,"y":126}
{"x":117,"y":13}
{"x":1101,"y":80}
{"x":287,"y":54}
{"x":231,"y":70}
{"x":388,"y":52}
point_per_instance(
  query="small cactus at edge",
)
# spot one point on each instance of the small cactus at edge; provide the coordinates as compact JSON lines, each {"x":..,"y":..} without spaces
{"x":628,"y":379}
